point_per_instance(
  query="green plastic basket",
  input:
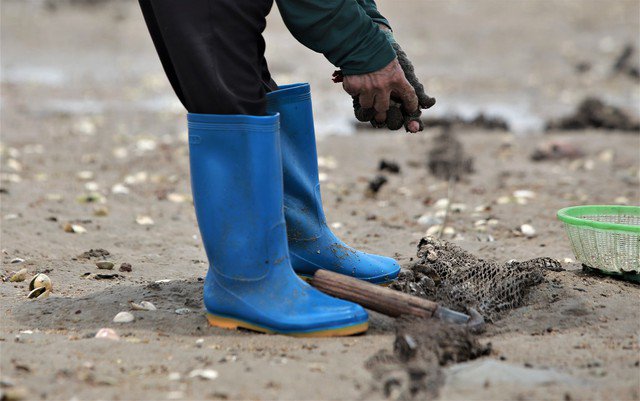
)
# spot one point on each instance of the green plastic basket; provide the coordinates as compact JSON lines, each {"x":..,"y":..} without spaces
{"x":605,"y":238}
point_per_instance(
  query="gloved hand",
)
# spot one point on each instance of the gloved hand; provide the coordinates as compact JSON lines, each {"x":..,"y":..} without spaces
{"x":401,"y":108}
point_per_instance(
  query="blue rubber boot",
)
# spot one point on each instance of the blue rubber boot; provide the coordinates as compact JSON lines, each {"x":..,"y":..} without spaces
{"x":236,"y":178}
{"x":312,"y":245}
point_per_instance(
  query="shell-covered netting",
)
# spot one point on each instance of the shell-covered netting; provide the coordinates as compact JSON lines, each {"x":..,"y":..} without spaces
{"x":455,"y":278}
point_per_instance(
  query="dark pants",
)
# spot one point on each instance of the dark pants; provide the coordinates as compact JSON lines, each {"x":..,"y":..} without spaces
{"x":213,"y":52}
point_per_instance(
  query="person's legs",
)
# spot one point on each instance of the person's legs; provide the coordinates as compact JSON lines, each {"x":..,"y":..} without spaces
{"x":213,"y":52}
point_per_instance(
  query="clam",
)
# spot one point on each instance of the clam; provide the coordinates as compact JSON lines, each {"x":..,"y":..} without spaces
{"x":144,"y":305}
{"x":18,"y":276}
{"x":40,"y":286}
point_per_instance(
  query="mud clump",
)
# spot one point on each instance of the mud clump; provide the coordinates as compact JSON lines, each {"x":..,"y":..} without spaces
{"x":388,"y":165}
{"x":453,"y":277}
{"x":624,"y":63}
{"x":594,"y":113}
{"x":98,"y":253}
{"x":413,"y":370}
{"x":376,"y":184}
{"x":447,"y":159}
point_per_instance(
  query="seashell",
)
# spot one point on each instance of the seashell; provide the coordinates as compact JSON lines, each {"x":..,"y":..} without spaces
{"x":207,"y":374}
{"x":144,"y":220}
{"x":527,"y":230}
{"x":524,"y":193}
{"x":119,"y":189}
{"x":104,"y":264}
{"x":17,"y":260}
{"x":109,"y":334}
{"x":433,"y":230}
{"x":124,"y":317}
{"x":18,"y":276}
{"x":144,"y":305}
{"x":183,"y":311}
{"x":74,"y":228}
{"x":39,"y":292}
{"x":40,"y":281}
{"x":429,"y":220}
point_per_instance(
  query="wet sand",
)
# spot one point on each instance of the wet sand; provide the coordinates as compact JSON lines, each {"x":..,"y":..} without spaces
{"x":93,"y":115}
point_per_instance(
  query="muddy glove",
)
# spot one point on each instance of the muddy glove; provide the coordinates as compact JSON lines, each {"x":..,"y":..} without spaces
{"x":397,"y":116}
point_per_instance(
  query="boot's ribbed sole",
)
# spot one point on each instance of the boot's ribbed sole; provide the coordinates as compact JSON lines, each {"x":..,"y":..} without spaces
{"x":308,"y":280}
{"x":230,"y":323}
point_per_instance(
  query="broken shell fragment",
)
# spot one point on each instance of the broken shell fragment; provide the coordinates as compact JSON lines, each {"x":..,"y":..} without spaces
{"x":18,"y":276}
{"x":104,"y":264}
{"x":144,"y":305}
{"x":124,"y":317}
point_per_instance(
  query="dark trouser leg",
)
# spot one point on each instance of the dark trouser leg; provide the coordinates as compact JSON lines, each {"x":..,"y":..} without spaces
{"x":213,"y":52}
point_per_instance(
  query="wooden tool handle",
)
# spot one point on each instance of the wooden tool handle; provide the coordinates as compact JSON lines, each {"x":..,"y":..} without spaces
{"x":371,"y":296}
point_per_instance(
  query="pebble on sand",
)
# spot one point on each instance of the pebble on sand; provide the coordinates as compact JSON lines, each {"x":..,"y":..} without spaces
{"x":105,"y":265}
{"x":124,"y":317}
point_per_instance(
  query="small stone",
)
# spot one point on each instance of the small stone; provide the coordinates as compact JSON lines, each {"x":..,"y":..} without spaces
{"x":503,"y":200}
{"x":107,"y":333}
{"x":126,"y":267}
{"x":527,"y":230}
{"x":183,"y":311}
{"x":105,"y":265}
{"x":207,"y":374}
{"x":100,"y":211}
{"x":199,"y":342}
{"x":336,"y":225}
{"x":174,"y":376}
{"x":124,"y":317}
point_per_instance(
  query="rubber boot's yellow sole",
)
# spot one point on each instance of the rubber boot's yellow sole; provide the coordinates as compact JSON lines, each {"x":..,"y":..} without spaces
{"x":229,"y":323}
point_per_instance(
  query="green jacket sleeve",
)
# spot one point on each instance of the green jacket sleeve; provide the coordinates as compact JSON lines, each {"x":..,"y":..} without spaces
{"x":369,"y":7}
{"x":342,"y":30}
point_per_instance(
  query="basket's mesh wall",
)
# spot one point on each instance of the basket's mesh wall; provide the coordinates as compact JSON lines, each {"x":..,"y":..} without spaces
{"x":611,"y":251}
{"x":455,"y":278}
